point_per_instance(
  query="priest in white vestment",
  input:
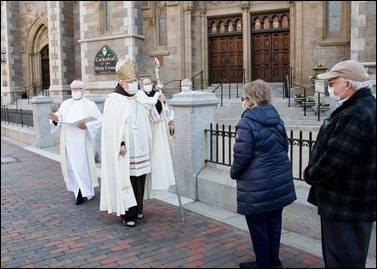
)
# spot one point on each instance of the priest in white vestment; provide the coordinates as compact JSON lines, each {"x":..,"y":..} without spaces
{"x":162,"y":171}
{"x":126,"y":146}
{"x":79,"y":121}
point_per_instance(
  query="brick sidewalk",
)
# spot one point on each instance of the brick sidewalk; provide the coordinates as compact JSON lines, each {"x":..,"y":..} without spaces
{"x":42,"y":227}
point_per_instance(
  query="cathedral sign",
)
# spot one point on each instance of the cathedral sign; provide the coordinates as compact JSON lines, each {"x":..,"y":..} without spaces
{"x":105,"y":61}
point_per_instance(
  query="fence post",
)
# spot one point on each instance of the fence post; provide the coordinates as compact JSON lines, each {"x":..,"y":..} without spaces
{"x":193,"y":113}
{"x":41,"y":106}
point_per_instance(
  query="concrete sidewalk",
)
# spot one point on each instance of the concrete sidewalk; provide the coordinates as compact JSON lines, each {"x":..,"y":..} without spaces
{"x":42,"y":227}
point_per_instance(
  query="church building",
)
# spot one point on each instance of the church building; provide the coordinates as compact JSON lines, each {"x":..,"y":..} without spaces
{"x":45,"y":45}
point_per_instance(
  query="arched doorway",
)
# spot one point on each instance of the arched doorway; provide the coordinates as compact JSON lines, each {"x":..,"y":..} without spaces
{"x":225,"y":50}
{"x":270,"y":46}
{"x":36,"y":45}
{"x":45,"y":64}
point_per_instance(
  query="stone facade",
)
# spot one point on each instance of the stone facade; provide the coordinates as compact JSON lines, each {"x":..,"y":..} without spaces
{"x":174,"y":32}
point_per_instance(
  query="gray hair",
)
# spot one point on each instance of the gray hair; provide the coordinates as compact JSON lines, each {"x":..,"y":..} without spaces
{"x":187,"y":81}
{"x":77,"y":84}
{"x":257,"y":91}
{"x":356,"y":85}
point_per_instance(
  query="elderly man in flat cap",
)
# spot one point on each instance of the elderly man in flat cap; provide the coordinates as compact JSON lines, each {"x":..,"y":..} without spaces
{"x":342,"y":168}
{"x":125,"y":146}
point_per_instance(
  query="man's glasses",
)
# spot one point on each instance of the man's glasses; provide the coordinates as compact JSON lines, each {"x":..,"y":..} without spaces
{"x":332,"y":83}
{"x":244,"y":98}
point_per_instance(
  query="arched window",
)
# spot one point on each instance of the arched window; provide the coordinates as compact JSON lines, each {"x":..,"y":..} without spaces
{"x":239,"y":25}
{"x":214,"y":27}
{"x":257,"y":24}
{"x":285,"y":21}
{"x":336,"y":22}
{"x":266,"y":23}
{"x":104,"y":17}
{"x":275,"y":22}
{"x":230,"y":26}
{"x":162,"y":23}
{"x":222,"y":27}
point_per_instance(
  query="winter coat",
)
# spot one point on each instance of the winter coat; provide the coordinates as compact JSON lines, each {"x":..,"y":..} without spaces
{"x":260,"y":162}
{"x":342,"y":165}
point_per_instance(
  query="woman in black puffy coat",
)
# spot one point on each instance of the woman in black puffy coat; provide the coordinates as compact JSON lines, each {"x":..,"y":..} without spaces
{"x":263,"y":172}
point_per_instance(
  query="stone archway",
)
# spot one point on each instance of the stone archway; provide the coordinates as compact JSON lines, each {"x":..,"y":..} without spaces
{"x":36,"y":42}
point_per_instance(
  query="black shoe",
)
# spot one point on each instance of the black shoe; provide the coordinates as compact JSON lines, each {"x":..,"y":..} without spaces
{"x":276,"y":264}
{"x":251,"y":264}
{"x":128,"y":223}
{"x":79,"y":201}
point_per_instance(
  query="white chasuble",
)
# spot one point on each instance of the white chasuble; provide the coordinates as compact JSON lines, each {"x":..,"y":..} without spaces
{"x":77,"y":146}
{"x":124,"y":119}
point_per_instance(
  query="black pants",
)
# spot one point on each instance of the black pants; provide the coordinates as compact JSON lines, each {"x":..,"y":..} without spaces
{"x":138,"y":185}
{"x":265,"y":232}
{"x":345,"y":244}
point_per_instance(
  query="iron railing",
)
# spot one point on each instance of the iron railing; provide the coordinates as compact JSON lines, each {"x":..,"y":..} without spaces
{"x":221,"y":140}
{"x":17,"y":117}
{"x":227,"y":81}
{"x":287,"y":86}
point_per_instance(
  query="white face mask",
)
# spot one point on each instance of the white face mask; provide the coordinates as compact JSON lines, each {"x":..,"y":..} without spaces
{"x":185,"y":89}
{"x":76,"y":95}
{"x":132,"y":88}
{"x":332,"y":94}
{"x":243,"y":105}
{"x":148,"y":88}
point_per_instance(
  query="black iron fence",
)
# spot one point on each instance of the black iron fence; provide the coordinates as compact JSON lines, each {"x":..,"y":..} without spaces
{"x":17,"y":117}
{"x":221,"y":141}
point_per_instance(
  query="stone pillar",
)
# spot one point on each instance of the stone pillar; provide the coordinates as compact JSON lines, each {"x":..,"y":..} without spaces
{"x":193,"y":113}
{"x":187,"y":10}
{"x":61,"y":46}
{"x":11,"y":69}
{"x":41,"y":106}
{"x":99,"y":99}
{"x":245,"y":6}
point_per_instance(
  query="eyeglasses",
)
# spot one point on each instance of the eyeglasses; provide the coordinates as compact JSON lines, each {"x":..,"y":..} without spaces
{"x":244,"y":98}
{"x":332,"y":83}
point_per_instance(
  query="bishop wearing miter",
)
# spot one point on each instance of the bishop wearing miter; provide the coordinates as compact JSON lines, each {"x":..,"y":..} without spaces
{"x":126,"y":144}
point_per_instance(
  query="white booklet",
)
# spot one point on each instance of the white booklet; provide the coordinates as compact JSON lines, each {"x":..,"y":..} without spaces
{"x":85,"y":120}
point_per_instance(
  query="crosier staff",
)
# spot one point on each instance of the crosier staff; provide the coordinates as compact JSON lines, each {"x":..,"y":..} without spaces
{"x":156,"y":68}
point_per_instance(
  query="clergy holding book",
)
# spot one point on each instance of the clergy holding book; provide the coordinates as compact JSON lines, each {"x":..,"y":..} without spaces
{"x":126,"y":146}
{"x":79,"y":121}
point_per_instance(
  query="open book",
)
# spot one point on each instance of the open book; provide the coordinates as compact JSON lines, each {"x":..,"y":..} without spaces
{"x":84,"y":120}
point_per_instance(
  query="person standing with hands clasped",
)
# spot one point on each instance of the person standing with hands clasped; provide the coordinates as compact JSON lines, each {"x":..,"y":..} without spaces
{"x":126,"y":146}
{"x":342,"y":168}
{"x":162,"y":171}
{"x":77,"y":141}
{"x":263,"y":173}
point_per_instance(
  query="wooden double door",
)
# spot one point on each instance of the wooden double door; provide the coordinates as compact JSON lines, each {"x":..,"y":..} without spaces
{"x":270,"y":56}
{"x":226,"y":63}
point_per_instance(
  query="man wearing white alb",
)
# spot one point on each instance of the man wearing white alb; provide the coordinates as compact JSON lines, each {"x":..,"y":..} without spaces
{"x":79,"y":121}
{"x":162,"y":172}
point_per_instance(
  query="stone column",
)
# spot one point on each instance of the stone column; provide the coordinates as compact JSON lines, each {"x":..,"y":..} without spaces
{"x":246,"y":40}
{"x":193,"y":113}
{"x":187,"y":10}
{"x":204,"y":45}
{"x":41,"y":106}
{"x":61,"y":45}
{"x":11,"y":69}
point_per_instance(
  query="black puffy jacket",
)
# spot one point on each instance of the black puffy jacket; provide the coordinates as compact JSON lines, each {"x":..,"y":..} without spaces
{"x":260,"y":162}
